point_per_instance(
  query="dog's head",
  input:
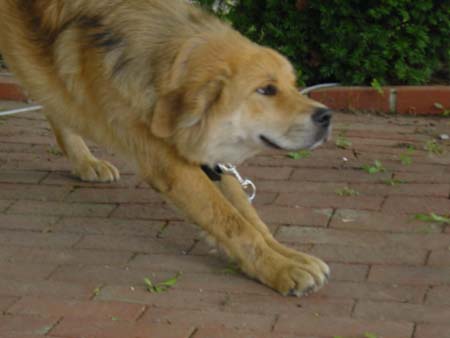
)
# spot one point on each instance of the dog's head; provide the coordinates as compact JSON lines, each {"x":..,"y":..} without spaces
{"x":230,"y":99}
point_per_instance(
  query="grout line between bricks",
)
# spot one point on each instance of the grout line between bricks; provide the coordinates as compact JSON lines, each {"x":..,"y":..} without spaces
{"x":116,"y":206}
{"x":193,"y":333}
{"x":145,"y":308}
{"x":54,"y":326}
{"x":413,"y":334}
{"x":275,"y":322}
{"x":330,"y":219}
{"x":427,"y":257}
{"x":44,"y":177}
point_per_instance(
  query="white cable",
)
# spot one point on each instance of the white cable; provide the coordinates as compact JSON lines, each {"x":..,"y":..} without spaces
{"x":319,"y":86}
{"x":20,"y":110}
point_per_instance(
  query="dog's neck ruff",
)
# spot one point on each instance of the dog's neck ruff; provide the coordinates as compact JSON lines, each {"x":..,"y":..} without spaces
{"x":215,"y":175}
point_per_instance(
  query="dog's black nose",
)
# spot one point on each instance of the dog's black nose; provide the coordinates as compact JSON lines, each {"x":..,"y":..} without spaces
{"x":322,"y":117}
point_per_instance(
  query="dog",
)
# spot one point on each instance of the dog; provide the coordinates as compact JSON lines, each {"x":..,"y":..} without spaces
{"x":175,"y":90}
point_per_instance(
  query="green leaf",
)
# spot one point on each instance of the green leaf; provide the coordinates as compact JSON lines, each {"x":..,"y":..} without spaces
{"x":300,"y":154}
{"x":377,"y":86}
{"x":172,"y":281}
{"x":370,"y":335}
{"x":161,"y":286}
{"x":346,"y":191}
{"x":434,"y":218}
{"x":342,"y":142}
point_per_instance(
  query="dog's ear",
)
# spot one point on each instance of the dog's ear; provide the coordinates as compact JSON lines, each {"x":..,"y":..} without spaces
{"x":199,"y":80}
{"x":186,"y":106}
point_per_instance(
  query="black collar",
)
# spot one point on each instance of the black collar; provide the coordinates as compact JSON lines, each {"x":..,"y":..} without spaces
{"x":214,"y":174}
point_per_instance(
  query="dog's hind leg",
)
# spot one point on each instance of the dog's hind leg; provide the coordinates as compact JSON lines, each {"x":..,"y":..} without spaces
{"x":85,"y":165}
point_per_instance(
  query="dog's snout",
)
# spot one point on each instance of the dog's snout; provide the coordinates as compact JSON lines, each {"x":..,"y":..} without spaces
{"x":322,"y":117}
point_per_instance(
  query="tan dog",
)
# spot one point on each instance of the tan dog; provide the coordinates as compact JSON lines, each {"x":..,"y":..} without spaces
{"x":172,"y":88}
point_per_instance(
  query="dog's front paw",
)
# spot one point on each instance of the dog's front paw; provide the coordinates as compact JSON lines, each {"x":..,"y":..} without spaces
{"x":96,"y":171}
{"x":297,"y":279}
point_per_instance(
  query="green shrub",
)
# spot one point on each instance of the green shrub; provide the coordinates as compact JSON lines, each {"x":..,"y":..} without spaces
{"x":353,"y":41}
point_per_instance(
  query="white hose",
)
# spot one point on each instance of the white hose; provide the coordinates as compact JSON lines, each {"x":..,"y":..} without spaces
{"x":319,"y":86}
{"x":20,"y":110}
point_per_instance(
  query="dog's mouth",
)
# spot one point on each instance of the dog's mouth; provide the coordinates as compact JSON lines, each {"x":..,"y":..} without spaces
{"x":321,"y":137}
{"x":268,"y":142}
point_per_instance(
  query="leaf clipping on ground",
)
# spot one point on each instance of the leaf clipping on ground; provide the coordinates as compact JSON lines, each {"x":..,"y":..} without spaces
{"x":343,"y":142}
{"x":376,"y":168}
{"x":432,"y":217}
{"x":370,"y":335}
{"x":161,"y":286}
{"x":300,"y":154}
{"x":346,"y":191}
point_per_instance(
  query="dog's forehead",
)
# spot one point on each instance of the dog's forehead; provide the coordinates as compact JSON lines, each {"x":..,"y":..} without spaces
{"x":268,"y":65}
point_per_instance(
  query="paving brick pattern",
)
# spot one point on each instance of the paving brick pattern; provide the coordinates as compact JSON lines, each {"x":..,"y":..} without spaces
{"x":74,"y":255}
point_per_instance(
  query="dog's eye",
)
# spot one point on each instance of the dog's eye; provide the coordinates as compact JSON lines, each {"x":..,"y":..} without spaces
{"x":269,"y":90}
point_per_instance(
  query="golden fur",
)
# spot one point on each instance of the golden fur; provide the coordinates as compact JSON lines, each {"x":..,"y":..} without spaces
{"x":171,"y":87}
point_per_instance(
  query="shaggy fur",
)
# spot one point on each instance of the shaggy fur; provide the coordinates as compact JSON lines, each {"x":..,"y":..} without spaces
{"x":172,"y":88}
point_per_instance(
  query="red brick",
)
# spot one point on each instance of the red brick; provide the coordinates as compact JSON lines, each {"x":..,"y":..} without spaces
{"x":10,"y":90}
{"x":151,"y":212}
{"x":32,"y":192}
{"x":119,"y":329}
{"x":369,"y":255}
{"x":247,"y":303}
{"x":6,"y":302}
{"x":348,"y":272}
{"x":209,"y":319}
{"x":411,"y":189}
{"x":16,"y":176}
{"x":320,"y":159}
{"x":313,"y":200}
{"x":134,"y":244}
{"x":230,"y":333}
{"x":363,"y":238}
{"x":61,"y":209}
{"x":377,"y":221}
{"x":76,"y":308}
{"x":332,"y":326}
{"x":26,"y":271}
{"x":432,"y":331}
{"x":63,"y":256}
{"x":440,"y":257}
{"x":436,"y":178}
{"x":46,"y":288}
{"x":417,"y":275}
{"x":371,"y":291}
{"x":108,"y":226}
{"x":402,"y":312}
{"x":266,"y":173}
{"x":337,"y":176}
{"x":172,"y":299}
{"x":416,"y":205}
{"x":439,"y":295}
{"x":34,"y":239}
{"x":26,"y":326}
{"x":103,"y":274}
{"x":19,"y":222}
{"x":66,"y":178}
{"x":304,"y":187}
{"x":421,"y":100}
{"x":185,"y":263}
{"x":4,"y":205}
{"x":295,"y":216}
{"x":91,"y":195}
{"x":362,"y":98}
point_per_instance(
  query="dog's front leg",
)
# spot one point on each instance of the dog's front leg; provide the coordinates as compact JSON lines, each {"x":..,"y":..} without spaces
{"x":232,"y":190}
{"x":189,"y":189}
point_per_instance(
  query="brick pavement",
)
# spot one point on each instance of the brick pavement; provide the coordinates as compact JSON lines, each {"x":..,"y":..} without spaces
{"x":73,"y":255}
